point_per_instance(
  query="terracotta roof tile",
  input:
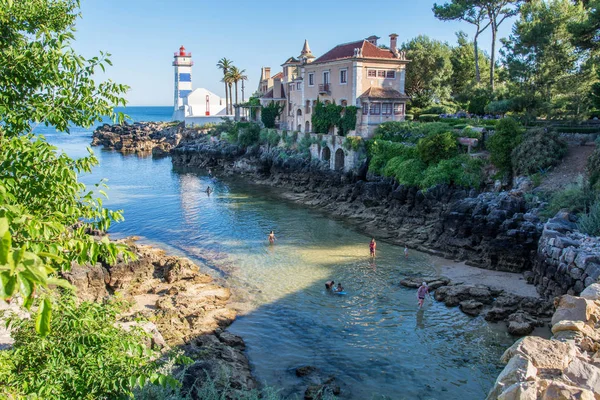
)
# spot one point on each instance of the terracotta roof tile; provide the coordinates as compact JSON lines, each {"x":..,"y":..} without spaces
{"x":383,"y":93}
{"x":277,"y":75}
{"x":369,"y":50}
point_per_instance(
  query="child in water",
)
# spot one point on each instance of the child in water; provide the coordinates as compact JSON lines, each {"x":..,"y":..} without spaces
{"x":372,"y":247}
{"x":421,"y":292}
{"x":329,"y":285}
{"x":339,"y":288}
{"x":272,"y":237}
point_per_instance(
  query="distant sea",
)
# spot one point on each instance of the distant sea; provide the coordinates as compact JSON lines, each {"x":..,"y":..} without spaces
{"x":147,"y":113}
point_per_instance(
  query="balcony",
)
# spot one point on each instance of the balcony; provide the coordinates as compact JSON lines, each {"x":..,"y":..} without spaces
{"x":324,"y":88}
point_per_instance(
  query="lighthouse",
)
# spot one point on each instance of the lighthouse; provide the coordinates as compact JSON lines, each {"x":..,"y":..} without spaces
{"x":183,"y":77}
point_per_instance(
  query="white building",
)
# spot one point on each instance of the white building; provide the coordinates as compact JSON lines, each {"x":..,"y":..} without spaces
{"x":194,"y":106}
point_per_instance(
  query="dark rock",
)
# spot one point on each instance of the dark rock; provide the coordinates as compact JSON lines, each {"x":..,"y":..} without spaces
{"x":471,"y":307}
{"x":305,"y":370}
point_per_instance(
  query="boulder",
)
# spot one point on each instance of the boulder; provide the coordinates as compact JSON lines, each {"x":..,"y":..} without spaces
{"x":591,"y":292}
{"x":543,"y":353}
{"x":521,"y":323}
{"x":584,"y":375}
{"x":471,"y":307}
{"x":577,"y":326}
{"x":156,"y":339}
{"x":305,"y":370}
{"x":89,"y":280}
{"x":561,"y":391}
{"x":573,"y":308}
{"x":178,"y":268}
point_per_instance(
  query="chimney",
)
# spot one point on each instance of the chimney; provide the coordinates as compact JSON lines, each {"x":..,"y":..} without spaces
{"x":394,"y":44}
{"x":267,"y":72}
{"x":277,"y":88}
{"x":372,"y":39}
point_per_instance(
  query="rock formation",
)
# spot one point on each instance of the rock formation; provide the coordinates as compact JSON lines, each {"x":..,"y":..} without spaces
{"x":564,"y":367}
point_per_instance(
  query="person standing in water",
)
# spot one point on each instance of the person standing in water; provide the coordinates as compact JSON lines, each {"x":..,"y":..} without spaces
{"x":372,"y":247}
{"x":272,"y":237}
{"x":405,"y":252}
{"x":208,"y":190}
{"x":421,"y":292}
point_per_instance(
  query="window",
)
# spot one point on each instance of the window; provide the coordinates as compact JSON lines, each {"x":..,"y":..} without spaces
{"x":326,"y":77}
{"x":390,"y":74}
{"x":375,"y":109}
{"x":371,"y":73}
{"x":386,"y":109}
{"x":298,"y":86}
{"x":365,"y":109}
{"x":311,"y":79}
{"x":398,"y":109}
{"x":381,"y":73}
{"x":291,"y":87}
{"x":344,"y":76}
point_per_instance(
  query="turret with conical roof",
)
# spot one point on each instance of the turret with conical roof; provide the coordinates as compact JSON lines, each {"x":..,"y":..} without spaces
{"x":306,"y":56}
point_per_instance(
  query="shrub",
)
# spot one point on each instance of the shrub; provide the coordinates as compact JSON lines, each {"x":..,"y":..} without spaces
{"x":469,"y":132}
{"x":248,"y":134}
{"x":507,"y":136}
{"x":462,"y":170}
{"x":270,"y":113}
{"x":593,"y":168}
{"x":437,"y":110}
{"x":269,"y":137}
{"x":347,"y":121}
{"x":85,"y":356}
{"x":409,"y":117}
{"x":353,"y":143}
{"x":589,"y":222}
{"x":538,"y":150}
{"x":406,"y":171}
{"x":575,"y":198}
{"x":432,"y":149}
{"x":381,"y":151}
{"x":499,"y":107}
{"x":577,"y":129}
{"x":429,"y":117}
{"x":401,"y":131}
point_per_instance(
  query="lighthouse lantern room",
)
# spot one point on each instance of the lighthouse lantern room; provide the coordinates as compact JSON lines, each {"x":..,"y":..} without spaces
{"x":183,"y":76}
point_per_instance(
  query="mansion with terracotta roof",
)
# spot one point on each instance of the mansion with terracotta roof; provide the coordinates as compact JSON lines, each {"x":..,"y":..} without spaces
{"x":359,"y":73}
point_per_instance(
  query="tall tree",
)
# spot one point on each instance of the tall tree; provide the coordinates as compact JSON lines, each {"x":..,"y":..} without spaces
{"x":236,"y":75}
{"x":586,"y":33}
{"x":428,"y":75}
{"x":542,"y":62}
{"x":225,"y":65}
{"x":498,"y":11}
{"x":472,"y":12}
{"x":464,"y":76}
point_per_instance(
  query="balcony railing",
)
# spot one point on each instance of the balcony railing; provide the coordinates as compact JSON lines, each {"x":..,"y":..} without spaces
{"x":324,"y":88}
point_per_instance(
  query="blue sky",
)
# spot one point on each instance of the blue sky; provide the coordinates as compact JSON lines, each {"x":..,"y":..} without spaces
{"x":142,"y":35}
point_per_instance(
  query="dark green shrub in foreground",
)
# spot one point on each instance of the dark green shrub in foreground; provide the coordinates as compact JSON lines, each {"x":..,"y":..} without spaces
{"x":589,"y":222}
{"x":462,"y":170}
{"x":593,"y":168}
{"x":85,"y":356}
{"x":575,"y":198}
{"x":538,"y":150}
{"x":406,"y":171}
{"x":382,"y":151}
{"x":432,"y":149}
{"x":248,"y":134}
{"x":269,"y":114}
{"x":507,"y":136}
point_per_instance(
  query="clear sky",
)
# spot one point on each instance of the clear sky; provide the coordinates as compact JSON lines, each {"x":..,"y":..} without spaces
{"x":142,"y":35}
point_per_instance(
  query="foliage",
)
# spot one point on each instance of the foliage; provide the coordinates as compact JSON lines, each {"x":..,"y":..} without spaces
{"x":428,"y":75}
{"x":86,"y":355}
{"x":408,"y":117}
{"x":434,"y":148}
{"x":478,"y":99}
{"x":254,"y":104}
{"x":589,"y":221}
{"x":499,"y":107}
{"x":462,"y":170}
{"x":347,"y":121}
{"x":575,"y":198}
{"x":507,"y":136}
{"x":469,"y":132}
{"x":353,"y":143}
{"x":585,"y":31}
{"x":226,"y":125}
{"x":410,"y":132}
{"x":382,"y":151}
{"x":429,"y":117}
{"x":406,"y":171}
{"x":269,"y":137}
{"x":468,"y":64}
{"x":593,"y":168}
{"x":326,"y":116}
{"x":538,"y":150}
{"x":248,"y":133}
{"x":270,"y":113}
{"x":437,"y":109}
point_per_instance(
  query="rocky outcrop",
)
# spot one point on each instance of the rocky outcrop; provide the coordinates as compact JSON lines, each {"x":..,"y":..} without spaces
{"x":564,"y":367}
{"x":187,"y":309}
{"x":489,"y":230}
{"x":567,"y":261}
{"x":157,"y":138}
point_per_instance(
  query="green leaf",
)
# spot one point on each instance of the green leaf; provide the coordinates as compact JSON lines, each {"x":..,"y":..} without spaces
{"x":42,"y":321}
{"x":5,"y":246}
{"x":61,"y":283}
{"x":25,"y":285}
{"x":162,"y":380}
{"x":9,"y":286}
{"x":132,"y":381}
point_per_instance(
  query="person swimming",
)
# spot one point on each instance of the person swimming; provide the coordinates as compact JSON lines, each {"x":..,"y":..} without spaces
{"x":272,"y":237}
{"x":329,"y":285}
{"x":339,"y":288}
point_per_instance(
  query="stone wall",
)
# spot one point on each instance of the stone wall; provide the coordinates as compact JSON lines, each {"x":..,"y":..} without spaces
{"x":565,"y":367}
{"x":567,"y":261}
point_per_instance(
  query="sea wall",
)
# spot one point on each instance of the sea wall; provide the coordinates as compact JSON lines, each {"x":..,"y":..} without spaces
{"x":489,"y":230}
{"x":567,"y":261}
{"x":564,"y":367}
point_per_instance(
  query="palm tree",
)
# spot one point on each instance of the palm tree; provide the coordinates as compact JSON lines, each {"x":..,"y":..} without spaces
{"x":236,"y":75}
{"x":229,"y":82}
{"x":225,"y":65}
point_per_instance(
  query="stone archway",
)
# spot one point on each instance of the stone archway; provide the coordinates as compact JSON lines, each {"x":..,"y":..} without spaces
{"x":299,"y":120}
{"x":326,"y":155}
{"x":339,"y":160}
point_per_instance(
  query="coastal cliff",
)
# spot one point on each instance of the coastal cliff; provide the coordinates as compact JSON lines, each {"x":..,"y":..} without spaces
{"x":490,"y":230}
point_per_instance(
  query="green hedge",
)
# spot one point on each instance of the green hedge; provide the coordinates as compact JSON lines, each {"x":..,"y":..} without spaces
{"x":576,"y":129}
{"x":429,"y":117}
{"x":538,"y":150}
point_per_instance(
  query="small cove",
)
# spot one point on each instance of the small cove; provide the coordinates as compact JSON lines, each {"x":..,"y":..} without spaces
{"x":374,"y":340}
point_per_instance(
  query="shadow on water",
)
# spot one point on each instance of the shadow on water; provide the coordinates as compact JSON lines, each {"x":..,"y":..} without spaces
{"x":375,"y":340}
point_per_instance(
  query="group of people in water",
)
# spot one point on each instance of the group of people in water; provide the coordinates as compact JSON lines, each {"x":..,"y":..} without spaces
{"x":422,"y":291}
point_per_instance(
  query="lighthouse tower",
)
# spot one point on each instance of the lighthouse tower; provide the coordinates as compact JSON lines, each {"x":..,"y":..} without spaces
{"x":183,"y":77}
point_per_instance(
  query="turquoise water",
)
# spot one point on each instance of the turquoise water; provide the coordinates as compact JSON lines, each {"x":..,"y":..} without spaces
{"x":374,"y":340}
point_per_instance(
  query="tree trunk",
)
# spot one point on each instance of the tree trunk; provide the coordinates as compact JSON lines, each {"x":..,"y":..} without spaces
{"x":236,"y":92}
{"x":493,"y":55}
{"x":230,"y":100}
{"x":226,"y":99}
{"x":477,"y":74}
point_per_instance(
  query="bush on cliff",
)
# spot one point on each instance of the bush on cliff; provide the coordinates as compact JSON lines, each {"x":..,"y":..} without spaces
{"x":382,"y":151}
{"x":575,"y":198}
{"x":593,"y":168}
{"x":462,"y":170}
{"x":85,"y":356}
{"x":410,"y":132}
{"x":270,"y":113}
{"x":589,"y":221}
{"x":507,"y":136}
{"x":249,"y":133}
{"x":538,"y":151}
{"x":406,"y":171}
{"x":435,"y":148}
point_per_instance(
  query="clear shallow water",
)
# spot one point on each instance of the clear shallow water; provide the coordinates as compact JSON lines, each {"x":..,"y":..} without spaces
{"x":374,"y":340}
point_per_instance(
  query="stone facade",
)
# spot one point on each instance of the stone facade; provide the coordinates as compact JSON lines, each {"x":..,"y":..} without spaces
{"x":567,"y":260}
